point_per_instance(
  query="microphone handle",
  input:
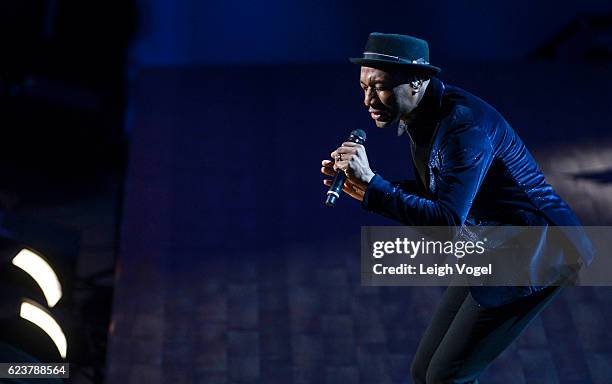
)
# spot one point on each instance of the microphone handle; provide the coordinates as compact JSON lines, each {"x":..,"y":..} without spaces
{"x":333,"y":194}
{"x":335,"y":189}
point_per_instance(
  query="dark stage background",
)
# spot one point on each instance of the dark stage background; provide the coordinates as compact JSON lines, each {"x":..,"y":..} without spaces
{"x":192,"y":134}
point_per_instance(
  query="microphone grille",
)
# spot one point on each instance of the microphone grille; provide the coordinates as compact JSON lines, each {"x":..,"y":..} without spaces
{"x":359,"y":134}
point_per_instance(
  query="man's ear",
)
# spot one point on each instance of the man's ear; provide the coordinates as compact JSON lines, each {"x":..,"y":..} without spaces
{"x":416,"y":86}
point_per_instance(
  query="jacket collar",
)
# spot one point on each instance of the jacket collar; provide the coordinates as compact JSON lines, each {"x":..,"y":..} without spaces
{"x":426,"y":115}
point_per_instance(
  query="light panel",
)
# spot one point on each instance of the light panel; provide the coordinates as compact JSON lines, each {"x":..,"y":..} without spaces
{"x":42,"y":273}
{"x":34,"y":313}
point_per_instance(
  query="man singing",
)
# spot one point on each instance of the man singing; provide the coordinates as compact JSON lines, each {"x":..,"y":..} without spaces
{"x":471,"y":168}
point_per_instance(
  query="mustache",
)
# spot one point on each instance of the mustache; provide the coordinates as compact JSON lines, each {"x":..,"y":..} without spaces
{"x":378,"y":109}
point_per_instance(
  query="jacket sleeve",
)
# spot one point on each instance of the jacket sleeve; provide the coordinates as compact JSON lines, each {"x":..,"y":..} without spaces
{"x":465,"y":157}
{"x":408,"y":186}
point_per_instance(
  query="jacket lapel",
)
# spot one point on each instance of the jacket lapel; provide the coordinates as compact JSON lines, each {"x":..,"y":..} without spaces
{"x":428,"y":119}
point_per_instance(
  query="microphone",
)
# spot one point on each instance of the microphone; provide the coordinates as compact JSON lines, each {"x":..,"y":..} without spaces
{"x":357,"y":136}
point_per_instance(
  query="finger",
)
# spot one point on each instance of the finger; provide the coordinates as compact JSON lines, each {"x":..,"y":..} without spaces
{"x":353,"y":146}
{"x":355,"y":187}
{"x":328,"y":171}
{"x":327,"y":164}
{"x":348,"y":191}
{"x":343,"y":157}
{"x":341,"y":165}
{"x":354,"y":193}
{"x":344,"y":149}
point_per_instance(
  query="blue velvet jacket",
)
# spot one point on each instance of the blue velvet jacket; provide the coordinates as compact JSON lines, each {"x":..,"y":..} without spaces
{"x":477,"y":172}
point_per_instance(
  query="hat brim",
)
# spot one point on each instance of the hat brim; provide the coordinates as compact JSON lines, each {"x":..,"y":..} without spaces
{"x":374,"y":63}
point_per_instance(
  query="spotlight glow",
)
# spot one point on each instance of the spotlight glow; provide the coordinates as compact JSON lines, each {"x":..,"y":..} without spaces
{"x":31,"y":311}
{"x":42,"y":273}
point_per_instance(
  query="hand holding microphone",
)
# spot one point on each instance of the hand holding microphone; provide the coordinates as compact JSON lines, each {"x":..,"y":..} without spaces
{"x":351,"y":170}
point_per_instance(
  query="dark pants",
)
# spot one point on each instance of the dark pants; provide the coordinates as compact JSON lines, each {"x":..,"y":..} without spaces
{"x":463,"y":337}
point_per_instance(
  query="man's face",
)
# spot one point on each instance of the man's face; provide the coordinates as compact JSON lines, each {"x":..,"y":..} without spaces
{"x":385,"y":95}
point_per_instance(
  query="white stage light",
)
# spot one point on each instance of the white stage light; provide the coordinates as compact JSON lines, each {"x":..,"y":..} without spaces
{"x":33,"y":312}
{"x":42,"y":273}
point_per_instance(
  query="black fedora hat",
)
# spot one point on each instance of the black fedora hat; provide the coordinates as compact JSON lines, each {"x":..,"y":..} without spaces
{"x":396,"y":50}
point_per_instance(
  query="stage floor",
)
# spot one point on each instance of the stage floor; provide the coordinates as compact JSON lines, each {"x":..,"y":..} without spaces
{"x":217,"y":284}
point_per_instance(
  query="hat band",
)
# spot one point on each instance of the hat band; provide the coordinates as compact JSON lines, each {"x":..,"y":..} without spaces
{"x":420,"y":60}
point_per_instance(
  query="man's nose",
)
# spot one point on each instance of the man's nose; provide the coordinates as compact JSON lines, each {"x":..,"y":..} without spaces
{"x":369,"y":97}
